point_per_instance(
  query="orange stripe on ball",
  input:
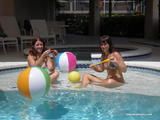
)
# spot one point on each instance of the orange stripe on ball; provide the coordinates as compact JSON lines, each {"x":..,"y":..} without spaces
{"x":23,"y":82}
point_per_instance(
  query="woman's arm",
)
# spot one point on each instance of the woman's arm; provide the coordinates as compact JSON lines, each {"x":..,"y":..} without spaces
{"x":39,"y":61}
{"x":97,"y":68}
{"x":33,"y":62}
{"x":118,"y":59}
{"x":50,"y":64}
{"x":50,"y":60}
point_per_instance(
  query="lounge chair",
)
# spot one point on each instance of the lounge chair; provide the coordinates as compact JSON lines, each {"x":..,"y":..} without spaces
{"x":40,"y":29}
{"x":2,"y":44}
{"x":58,"y":28}
{"x":11,"y":29}
{"x":8,"y":41}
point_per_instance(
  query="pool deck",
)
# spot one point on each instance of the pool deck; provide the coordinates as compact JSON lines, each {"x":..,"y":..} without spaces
{"x":152,"y":60}
{"x":152,"y":48}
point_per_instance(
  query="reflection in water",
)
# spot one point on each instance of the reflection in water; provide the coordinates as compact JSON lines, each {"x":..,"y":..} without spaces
{"x":51,"y":110}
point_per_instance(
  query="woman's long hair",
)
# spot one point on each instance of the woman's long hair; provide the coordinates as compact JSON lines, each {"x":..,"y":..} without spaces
{"x":33,"y":51}
{"x":106,"y":39}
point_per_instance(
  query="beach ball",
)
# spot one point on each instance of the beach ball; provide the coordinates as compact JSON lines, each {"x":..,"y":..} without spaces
{"x":66,"y":61}
{"x":33,"y":82}
{"x":74,"y":76}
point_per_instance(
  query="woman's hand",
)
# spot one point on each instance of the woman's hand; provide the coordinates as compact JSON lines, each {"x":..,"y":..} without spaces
{"x":98,"y":68}
{"x":55,"y":52}
{"x":46,"y":53}
{"x":92,"y":66}
{"x":113,"y":64}
{"x":119,"y":60}
{"x":52,"y":53}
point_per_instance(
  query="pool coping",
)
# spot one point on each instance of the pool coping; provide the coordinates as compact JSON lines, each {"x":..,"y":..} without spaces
{"x":144,"y":64}
{"x":136,"y":50}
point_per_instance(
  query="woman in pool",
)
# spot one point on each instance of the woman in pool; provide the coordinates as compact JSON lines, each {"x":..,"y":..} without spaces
{"x":114,"y":67}
{"x":39,"y":55}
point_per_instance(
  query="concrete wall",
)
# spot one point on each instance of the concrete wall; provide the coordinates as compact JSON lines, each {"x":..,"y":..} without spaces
{"x":24,"y":9}
{"x":31,"y":9}
{"x":7,"y":7}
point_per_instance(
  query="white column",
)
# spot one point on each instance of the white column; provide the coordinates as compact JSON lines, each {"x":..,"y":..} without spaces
{"x":104,"y":6}
{"x":94,"y":18}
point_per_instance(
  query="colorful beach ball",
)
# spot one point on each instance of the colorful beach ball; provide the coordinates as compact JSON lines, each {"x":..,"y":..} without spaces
{"x":74,"y":76}
{"x":33,"y":82}
{"x":66,"y":61}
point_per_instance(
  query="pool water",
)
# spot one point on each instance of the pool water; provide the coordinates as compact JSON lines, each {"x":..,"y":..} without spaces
{"x":79,"y":105}
{"x":138,"y":99}
{"x":138,"y":80}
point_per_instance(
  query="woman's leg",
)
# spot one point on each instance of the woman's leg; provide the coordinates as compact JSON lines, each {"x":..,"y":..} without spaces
{"x":89,"y":78}
{"x":54,"y":76}
{"x":110,"y":83}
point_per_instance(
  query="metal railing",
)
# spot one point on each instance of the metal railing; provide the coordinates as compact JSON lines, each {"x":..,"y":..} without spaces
{"x":118,"y":6}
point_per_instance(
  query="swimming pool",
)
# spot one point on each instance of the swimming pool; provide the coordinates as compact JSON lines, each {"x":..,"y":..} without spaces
{"x":138,"y":99}
{"x":83,"y":53}
{"x":79,"y":105}
{"x":91,"y":51}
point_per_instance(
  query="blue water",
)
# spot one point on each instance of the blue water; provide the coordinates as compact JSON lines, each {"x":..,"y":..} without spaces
{"x":79,"y":105}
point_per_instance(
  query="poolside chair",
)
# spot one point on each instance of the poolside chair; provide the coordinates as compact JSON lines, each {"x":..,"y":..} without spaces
{"x":8,"y":41}
{"x":40,"y":29}
{"x":2,"y":44}
{"x":11,"y":29}
{"x":59,"y":28}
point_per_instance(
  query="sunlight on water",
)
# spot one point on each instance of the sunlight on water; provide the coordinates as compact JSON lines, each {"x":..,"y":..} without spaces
{"x":79,"y":105}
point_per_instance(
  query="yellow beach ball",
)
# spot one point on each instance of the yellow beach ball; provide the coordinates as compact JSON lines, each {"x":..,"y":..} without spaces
{"x":74,"y":76}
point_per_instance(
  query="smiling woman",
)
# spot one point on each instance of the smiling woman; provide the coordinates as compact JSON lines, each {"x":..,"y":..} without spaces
{"x":114,"y":74}
{"x":40,"y":56}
